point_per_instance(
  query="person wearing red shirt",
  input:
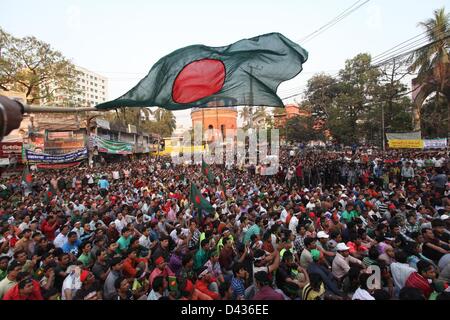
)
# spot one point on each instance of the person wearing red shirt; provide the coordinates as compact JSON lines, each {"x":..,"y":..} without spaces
{"x":49,"y":227}
{"x":422,"y":279}
{"x":26,"y":289}
{"x":132,"y":265}
{"x":299,"y":174}
{"x":203,"y":282}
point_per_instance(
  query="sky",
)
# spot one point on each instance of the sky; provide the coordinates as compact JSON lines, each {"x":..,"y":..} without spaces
{"x":123,"y":39}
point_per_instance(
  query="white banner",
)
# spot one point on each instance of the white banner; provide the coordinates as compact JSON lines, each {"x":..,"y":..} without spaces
{"x":435,"y":143}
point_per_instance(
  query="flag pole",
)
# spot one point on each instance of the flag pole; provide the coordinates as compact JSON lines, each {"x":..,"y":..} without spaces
{"x":53,"y":109}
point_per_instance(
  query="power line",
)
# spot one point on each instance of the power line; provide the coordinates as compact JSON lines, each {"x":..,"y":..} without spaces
{"x":406,"y":46}
{"x":406,"y":41}
{"x":389,"y":58}
{"x":409,"y":52}
{"x":333,"y":22}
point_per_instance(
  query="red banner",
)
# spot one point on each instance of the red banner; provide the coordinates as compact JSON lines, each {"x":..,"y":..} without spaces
{"x":11,"y":150}
{"x":58,"y":165}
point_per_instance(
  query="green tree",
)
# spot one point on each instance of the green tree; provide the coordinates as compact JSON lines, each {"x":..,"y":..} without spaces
{"x":163,"y":124}
{"x":321,"y":92}
{"x":301,"y":129}
{"x":434,"y":125}
{"x":358,"y":84}
{"x":31,"y":66}
{"x":246,"y":115}
{"x":433,"y":62}
{"x":391,"y":99}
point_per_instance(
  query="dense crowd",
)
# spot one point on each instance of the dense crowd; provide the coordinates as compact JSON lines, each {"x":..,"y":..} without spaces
{"x":317,"y":229}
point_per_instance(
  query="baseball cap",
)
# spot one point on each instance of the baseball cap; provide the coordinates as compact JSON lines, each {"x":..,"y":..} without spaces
{"x":445,"y":217}
{"x":322,"y":234}
{"x":315,"y":254}
{"x":342,"y":247}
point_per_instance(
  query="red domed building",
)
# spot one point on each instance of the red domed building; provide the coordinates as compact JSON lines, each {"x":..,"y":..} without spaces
{"x":216,"y":116}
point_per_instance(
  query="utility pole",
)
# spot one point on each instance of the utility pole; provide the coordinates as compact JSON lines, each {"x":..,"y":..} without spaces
{"x":251,"y":93}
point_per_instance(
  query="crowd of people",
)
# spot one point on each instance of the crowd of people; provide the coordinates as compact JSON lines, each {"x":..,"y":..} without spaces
{"x":328,"y":225}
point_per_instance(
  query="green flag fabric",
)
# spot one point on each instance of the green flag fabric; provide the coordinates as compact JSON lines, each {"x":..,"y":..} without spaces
{"x":247,"y":72}
{"x":26,"y":176}
{"x":207,"y":172}
{"x":198,"y":200}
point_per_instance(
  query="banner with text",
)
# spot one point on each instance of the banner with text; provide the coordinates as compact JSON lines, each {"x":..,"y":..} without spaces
{"x":11,"y":150}
{"x":405,"y":144}
{"x":404,"y":136}
{"x":435,"y":143}
{"x":57,"y":165}
{"x":33,"y":157}
{"x":110,"y":146}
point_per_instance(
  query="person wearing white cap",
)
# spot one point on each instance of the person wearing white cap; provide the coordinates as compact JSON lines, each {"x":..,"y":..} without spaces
{"x":322,"y":245}
{"x":341,"y":263}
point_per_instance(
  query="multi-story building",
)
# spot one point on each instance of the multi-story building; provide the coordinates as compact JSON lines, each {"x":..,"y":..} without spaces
{"x":92,"y":86}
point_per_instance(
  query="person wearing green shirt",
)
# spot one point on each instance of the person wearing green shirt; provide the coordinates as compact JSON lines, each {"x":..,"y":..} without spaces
{"x":124,"y":240}
{"x":4,"y":266}
{"x":254,"y":229}
{"x":86,"y":257}
{"x":349,"y":214}
{"x":202,"y":255}
{"x":225,"y":235}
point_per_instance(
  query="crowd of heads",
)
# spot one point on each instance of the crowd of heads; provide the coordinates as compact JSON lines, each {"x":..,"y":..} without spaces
{"x":328,"y":225}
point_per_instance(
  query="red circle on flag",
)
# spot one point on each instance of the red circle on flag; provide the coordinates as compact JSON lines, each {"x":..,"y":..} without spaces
{"x":197,"y":199}
{"x":197,"y":80}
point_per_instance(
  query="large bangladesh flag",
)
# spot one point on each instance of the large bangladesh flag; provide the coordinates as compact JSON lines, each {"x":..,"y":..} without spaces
{"x":247,"y":72}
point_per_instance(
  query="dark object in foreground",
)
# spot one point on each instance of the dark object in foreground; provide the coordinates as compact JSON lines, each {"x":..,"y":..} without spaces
{"x":11,"y":115}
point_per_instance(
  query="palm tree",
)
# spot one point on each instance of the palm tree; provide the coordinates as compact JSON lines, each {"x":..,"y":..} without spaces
{"x":167,"y":119}
{"x":433,"y":61}
{"x":261,"y":113}
{"x":245,"y":114}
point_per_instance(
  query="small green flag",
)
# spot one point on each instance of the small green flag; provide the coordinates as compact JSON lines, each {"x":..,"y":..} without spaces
{"x":26,"y":176}
{"x":199,"y":201}
{"x":207,"y":172}
{"x":245,"y":73}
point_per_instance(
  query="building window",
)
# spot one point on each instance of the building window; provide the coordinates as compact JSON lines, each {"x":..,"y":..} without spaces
{"x":92,"y":83}
{"x":92,"y":95}
{"x":83,"y":87}
{"x":96,"y":97}
{"x":82,"y":80}
{"x":95,"y":84}
{"x":103,"y":81}
{"x":103,"y":87}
